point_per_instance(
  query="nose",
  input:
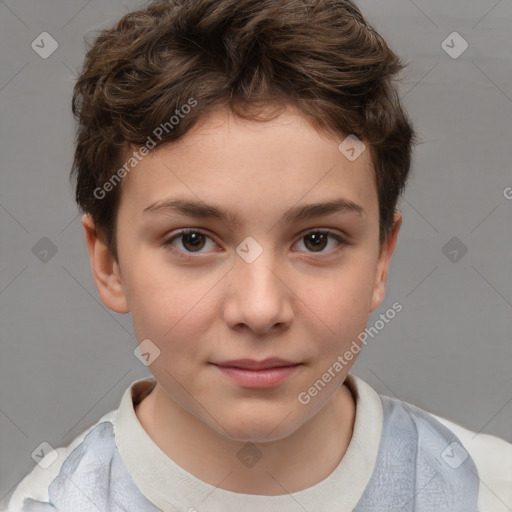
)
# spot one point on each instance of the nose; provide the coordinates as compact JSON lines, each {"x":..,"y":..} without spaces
{"x":258,"y":296}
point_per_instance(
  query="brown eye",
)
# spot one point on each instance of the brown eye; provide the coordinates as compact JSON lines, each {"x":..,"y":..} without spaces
{"x":317,"y":241}
{"x":192,"y":241}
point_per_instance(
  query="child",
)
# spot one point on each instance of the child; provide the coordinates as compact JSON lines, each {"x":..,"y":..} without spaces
{"x":238,"y":164}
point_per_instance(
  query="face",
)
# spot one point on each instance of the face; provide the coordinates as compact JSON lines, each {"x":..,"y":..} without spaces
{"x":262,"y":281}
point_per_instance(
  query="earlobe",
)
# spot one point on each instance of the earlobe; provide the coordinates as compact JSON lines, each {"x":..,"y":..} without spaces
{"x":386,"y":251}
{"x":105,"y":269}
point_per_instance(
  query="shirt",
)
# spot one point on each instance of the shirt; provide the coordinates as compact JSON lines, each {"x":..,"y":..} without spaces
{"x":400,"y":458}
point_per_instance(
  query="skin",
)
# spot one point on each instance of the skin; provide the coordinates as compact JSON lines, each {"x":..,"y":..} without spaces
{"x":296,"y":301}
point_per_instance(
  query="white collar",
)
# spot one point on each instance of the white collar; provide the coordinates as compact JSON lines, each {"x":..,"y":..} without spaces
{"x":170,"y":488}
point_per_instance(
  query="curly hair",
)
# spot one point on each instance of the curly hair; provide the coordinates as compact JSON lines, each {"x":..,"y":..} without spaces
{"x":320,"y":56}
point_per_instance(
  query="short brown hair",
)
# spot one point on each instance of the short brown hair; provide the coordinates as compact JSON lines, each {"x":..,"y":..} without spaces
{"x":320,"y":56}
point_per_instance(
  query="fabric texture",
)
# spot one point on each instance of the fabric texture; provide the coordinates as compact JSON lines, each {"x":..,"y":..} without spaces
{"x":400,"y":457}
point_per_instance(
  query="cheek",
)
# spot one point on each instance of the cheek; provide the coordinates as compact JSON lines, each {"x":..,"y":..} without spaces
{"x":169,"y":305}
{"x":172,"y":319}
{"x":339,"y":306}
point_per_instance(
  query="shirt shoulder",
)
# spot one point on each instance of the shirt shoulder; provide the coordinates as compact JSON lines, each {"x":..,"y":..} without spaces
{"x":458,"y":453}
{"x":35,"y":484}
{"x":492,"y":456}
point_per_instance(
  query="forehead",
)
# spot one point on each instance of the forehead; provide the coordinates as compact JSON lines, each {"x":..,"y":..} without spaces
{"x":251,"y":167}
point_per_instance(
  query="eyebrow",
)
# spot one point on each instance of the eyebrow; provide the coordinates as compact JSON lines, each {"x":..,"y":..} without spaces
{"x":296,"y":213}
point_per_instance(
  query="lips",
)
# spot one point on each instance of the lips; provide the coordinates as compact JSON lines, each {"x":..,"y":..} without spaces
{"x":252,"y":364}
{"x":249,"y":373}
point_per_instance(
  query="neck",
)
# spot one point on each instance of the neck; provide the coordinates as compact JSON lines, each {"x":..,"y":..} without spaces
{"x":304,"y":458}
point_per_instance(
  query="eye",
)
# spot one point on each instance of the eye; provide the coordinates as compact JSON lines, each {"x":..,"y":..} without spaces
{"x":192,"y":240}
{"x":316,"y":241}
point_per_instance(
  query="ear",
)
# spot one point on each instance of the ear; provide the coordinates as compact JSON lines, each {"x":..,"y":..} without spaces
{"x":105,"y":269}
{"x":386,"y":251}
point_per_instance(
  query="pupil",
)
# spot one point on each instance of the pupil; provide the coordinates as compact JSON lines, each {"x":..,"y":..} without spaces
{"x":318,"y":240}
{"x":196,"y":240}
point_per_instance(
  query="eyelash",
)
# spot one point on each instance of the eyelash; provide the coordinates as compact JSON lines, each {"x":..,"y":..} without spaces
{"x":167,"y":243}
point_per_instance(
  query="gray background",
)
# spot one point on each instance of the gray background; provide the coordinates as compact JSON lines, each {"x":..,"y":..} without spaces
{"x":66,"y":359}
